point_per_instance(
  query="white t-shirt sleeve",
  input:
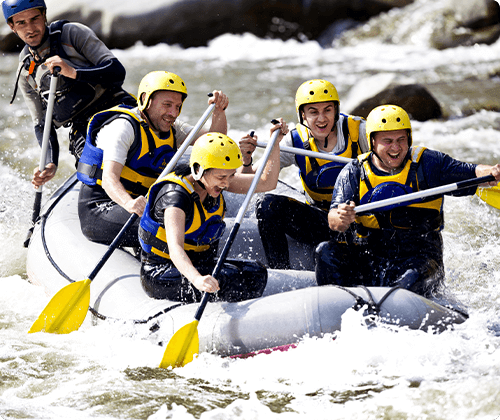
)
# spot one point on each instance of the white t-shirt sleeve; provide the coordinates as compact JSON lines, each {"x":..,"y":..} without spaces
{"x":182,"y":130}
{"x":115,"y":139}
{"x":363,"y":141}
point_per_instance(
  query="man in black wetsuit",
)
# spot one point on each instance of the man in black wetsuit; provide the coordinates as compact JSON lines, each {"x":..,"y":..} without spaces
{"x":90,"y":79}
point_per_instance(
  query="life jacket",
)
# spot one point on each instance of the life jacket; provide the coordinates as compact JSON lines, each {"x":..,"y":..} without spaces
{"x":205,"y":228}
{"x":421,"y":214}
{"x":72,"y":97}
{"x":146,"y":158}
{"x":318,"y":176}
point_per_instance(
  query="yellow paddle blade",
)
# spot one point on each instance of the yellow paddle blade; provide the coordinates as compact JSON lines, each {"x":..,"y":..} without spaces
{"x":66,"y":310}
{"x":182,"y":347}
{"x":490,"y":195}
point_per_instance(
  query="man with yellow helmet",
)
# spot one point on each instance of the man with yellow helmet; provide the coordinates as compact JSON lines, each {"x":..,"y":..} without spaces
{"x":183,"y":222}
{"x":392,"y":246}
{"x":321,"y":128}
{"x":126,"y":150}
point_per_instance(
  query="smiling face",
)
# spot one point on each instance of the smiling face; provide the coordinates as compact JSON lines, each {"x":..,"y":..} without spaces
{"x":391,"y":148}
{"x":29,"y":26}
{"x":217,"y":180}
{"x":320,"y":118}
{"x":163,"y":109}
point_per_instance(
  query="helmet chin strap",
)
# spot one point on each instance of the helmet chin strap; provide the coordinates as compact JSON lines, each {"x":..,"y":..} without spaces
{"x":197,"y":176}
{"x":150,"y":123}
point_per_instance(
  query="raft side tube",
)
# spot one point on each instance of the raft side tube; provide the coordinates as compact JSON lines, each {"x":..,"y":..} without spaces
{"x":230,"y":329}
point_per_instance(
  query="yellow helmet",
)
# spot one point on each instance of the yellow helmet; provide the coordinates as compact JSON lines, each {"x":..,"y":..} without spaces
{"x":387,"y":118}
{"x":214,"y":150}
{"x":159,"y":80}
{"x":314,"y":91}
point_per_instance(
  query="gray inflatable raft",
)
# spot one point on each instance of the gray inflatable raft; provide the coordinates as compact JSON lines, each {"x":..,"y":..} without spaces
{"x":292,"y":306}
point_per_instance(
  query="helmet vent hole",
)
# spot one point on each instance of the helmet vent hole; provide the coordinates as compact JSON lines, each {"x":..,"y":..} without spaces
{"x":384,"y":120}
{"x":326,"y":91}
{"x":398,"y":119}
{"x":311,"y":92}
{"x":228,"y":158}
{"x":171,"y":81}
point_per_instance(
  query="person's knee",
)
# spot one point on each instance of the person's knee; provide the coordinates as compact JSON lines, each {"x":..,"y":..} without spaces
{"x":327,"y":265}
{"x":164,"y":282}
{"x":242,"y":280}
{"x":324,"y":252}
{"x":256,"y":269}
{"x":268,"y":206}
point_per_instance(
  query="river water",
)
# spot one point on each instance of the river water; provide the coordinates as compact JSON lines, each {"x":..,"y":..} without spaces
{"x":110,"y":371}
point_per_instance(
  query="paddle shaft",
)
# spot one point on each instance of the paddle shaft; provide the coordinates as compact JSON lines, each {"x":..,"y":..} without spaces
{"x":424,"y":193}
{"x":310,"y":153}
{"x":47,"y":127}
{"x":37,"y":205}
{"x":237,"y":223}
{"x":169,"y":168}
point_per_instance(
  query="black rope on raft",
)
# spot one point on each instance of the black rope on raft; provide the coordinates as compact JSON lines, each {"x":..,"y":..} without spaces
{"x":372,"y":308}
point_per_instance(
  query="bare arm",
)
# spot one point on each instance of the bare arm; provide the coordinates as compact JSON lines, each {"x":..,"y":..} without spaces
{"x":40,"y":178}
{"x":219,"y":121}
{"x":341,"y":217}
{"x":248,"y":144}
{"x":484,"y":170}
{"x":175,"y":220}
{"x":66,"y":70}
{"x":116,"y":191}
{"x":269,"y":178}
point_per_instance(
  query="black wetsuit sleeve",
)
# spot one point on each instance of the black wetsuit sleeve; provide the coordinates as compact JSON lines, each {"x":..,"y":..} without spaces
{"x":441,"y":169}
{"x":347,"y":185}
{"x":108,"y":73}
{"x":102,"y":66}
{"x":53,"y":149}
{"x":169,"y":196}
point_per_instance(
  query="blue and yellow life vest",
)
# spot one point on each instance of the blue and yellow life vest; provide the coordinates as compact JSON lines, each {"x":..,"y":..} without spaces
{"x":421,"y":214}
{"x":318,"y":176}
{"x":205,"y":228}
{"x":146,"y":159}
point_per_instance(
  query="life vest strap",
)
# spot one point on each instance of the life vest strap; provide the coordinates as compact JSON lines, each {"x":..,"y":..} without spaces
{"x":153,"y":241}
{"x":92,"y":171}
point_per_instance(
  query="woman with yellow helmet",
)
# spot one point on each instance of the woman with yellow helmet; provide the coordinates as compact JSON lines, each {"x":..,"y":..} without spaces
{"x":127,"y":148}
{"x":392,"y":246}
{"x":183,"y":222}
{"x":321,"y":128}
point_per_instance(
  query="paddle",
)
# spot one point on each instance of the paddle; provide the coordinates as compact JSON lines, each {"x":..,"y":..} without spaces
{"x":490,"y":195}
{"x":43,"y":155}
{"x":310,"y":153}
{"x":68,"y":308}
{"x":184,"y":344}
{"x":424,"y":193}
